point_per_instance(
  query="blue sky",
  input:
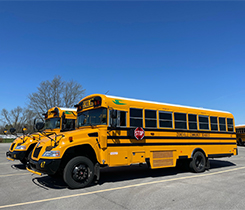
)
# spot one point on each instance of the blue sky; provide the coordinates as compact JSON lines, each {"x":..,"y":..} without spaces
{"x":189,"y":53}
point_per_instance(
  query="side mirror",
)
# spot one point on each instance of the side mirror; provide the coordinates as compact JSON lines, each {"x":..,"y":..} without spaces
{"x":24,"y":129}
{"x":113,"y":114}
{"x":113,"y":123}
{"x":12,"y":130}
{"x":5,"y":131}
{"x":39,"y":126}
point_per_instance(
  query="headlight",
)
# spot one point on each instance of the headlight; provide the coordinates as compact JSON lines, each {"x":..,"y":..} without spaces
{"x":21,"y":147}
{"x":51,"y":154}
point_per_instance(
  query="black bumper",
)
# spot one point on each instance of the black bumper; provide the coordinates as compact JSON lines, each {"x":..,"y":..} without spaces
{"x":45,"y":166}
{"x":16,"y":155}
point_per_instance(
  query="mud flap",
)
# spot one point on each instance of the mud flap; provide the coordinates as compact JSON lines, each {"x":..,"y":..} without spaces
{"x":97,"y":172}
{"x":207,"y":167}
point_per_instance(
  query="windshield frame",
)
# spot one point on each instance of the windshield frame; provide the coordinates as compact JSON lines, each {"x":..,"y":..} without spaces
{"x":91,"y":117}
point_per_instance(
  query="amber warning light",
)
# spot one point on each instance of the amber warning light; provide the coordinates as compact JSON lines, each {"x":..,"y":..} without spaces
{"x":96,"y":102}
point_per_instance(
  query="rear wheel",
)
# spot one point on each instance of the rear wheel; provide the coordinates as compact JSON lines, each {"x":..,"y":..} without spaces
{"x":198,"y":162}
{"x":27,"y":158}
{"x":79,"y":172}
{"x":240,"y":142}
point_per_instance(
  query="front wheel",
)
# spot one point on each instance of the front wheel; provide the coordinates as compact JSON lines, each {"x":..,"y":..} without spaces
{"x":198,"y":162}
{"x":79,"y":172}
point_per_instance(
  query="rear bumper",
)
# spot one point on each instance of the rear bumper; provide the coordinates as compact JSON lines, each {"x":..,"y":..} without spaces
{"x":16,"y":155}
{"x":44,"y":166}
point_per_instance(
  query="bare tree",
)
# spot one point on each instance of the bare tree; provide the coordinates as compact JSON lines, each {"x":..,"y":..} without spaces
{"x":18,"y":118}
{"x":55,"y":93}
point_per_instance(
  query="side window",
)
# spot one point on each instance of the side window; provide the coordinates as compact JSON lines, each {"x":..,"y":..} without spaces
{"x":203,"y":122}
{"x":150,"y":118}
{"x":192,"y":119}
{"x":222,"y":125}
{"x":165,"y":119}
{"x":136,"y":117}
{"x":230,"y":124}
{"x":120,"y":120}
{"x":180,"y":120}
{"x":70,"y":124}
{"x":214,"y":123}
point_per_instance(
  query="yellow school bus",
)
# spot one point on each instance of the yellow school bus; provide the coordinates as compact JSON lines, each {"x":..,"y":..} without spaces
{"x":23,"y":145}
{"x":115,"y":131}
{"x":240,"y":135}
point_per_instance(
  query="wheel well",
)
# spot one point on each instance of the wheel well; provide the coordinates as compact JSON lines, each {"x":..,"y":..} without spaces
{"x":31,"y":147}
{"x":197,"y":149}
{"x":81,"y":150}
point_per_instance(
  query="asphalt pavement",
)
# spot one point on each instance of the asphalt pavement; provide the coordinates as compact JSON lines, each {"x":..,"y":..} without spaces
{"x":131,"y":187}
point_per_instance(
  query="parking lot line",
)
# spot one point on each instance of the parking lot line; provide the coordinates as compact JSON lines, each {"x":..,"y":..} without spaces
{"x":6,"y":175}
{"x":119,"y":188}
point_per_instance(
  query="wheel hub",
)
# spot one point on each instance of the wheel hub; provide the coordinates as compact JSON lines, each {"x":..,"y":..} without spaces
{"x":80,"y":173}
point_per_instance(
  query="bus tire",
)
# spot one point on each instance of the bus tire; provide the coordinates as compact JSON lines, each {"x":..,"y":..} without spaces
{"x":27,"y":158}
{"x":240,"y":142}
{"x":79,"y":172}
{"x":198,"y":162}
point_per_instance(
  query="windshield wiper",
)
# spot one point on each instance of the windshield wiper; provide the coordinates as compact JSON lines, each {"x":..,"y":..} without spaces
{"x":91,"y":125}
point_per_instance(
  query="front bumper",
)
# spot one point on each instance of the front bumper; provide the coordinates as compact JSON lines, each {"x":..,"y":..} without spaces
{"x":44,"y":166}
{"x":16,"y":155}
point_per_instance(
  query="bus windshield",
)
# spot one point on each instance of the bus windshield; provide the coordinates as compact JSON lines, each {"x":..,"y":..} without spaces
{"x":92,"y":117}
{"x":52,"y":123}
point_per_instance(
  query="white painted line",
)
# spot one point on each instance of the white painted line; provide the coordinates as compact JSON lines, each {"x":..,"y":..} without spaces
{"x":6,"y":175}
{"x":119,"y":188}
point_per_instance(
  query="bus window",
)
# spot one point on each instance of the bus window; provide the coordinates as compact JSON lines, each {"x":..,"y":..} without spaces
{"x":165,"y":119}
{"x":150,"y":118}
{"x":180,"y":120}
{"x":136,"y":117}
{"x":214,"y":123}
{"x":230,"y":124}
{"x":120,"y":120}
{"x":222,"y":125}
{"x":192,"y":119}
{"x":203,"y":123}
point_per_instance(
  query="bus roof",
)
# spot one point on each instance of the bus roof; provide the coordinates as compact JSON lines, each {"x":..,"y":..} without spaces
{"x":166,"y":104}
{"x":68,"y":109}
{"x":240,"y":125}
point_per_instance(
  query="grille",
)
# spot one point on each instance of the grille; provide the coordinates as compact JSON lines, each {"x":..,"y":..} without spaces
{"x":36,"y":152}
{"x":12,"y":146}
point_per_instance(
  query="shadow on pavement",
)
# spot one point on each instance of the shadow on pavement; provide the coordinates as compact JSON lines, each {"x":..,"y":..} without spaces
{"x":48,"y":182}
{"x":220,"y":164}
{"x":123,"y":173}
{"x":18,"y":166}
